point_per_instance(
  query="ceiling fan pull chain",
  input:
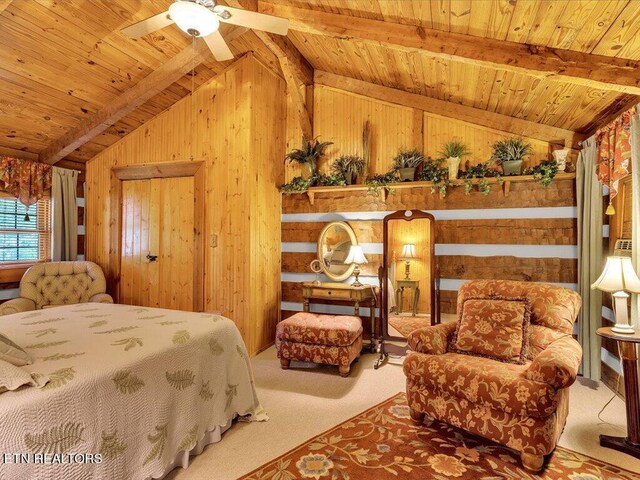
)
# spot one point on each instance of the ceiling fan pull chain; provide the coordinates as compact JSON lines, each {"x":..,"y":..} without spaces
{"x":193,"y":73}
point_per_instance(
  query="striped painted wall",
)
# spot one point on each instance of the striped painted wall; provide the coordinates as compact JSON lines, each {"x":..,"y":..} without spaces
{"x":529,"y":235}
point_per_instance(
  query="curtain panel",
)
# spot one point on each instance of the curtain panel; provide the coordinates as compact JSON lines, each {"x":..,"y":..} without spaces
{"x":635,"y":209}
{"x":590,"y":252}
{"x":614,"y":153}
{"x":64,"y":241}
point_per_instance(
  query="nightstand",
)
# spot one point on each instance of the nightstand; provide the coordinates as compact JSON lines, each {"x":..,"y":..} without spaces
{"x":344,"y":292}
{"x":627,"y":344}
{"x":412,"y":284}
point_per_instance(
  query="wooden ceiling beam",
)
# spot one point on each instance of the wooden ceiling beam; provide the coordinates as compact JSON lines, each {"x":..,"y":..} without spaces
{"x":457,"y":111}
{"x":295,"y":96}
{"x":143,"y":91}
{"x":295,"y":68}
{"x":280,"y":46}
{"x":595,"y":71}
{"x":4,"y":4}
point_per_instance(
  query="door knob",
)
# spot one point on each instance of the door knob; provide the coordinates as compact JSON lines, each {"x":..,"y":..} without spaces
{"x":151,"y":258}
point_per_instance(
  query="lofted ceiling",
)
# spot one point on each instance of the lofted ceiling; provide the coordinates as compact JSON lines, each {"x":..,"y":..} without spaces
{"x":603,"y":27}
{"x":61,"y":61}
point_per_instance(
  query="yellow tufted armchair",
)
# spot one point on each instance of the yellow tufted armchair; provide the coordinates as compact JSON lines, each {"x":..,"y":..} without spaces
{"x":522,"y":406}
{"x":58,"y":283}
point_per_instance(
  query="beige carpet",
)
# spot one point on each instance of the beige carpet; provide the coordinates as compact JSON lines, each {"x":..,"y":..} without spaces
{"x":303,"y":403}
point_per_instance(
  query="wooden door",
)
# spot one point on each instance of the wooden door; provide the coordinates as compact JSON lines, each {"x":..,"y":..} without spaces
{"x":158,"y":220}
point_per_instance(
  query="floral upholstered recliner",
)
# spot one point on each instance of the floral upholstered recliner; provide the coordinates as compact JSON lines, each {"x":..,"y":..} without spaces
{"x":523,"y":406}
{"x":58,"y":283}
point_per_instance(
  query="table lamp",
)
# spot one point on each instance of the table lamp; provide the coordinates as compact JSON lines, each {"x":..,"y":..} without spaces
{"x":356,"y":255}
{"x":618,"y":278}
{"x":408,"y":254}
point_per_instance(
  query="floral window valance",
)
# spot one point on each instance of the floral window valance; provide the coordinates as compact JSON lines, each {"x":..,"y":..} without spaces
{"x":26,"y":180}
{"x":614,"y":153}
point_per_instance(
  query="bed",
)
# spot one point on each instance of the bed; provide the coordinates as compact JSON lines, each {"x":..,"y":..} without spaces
{"x":132,"y":391}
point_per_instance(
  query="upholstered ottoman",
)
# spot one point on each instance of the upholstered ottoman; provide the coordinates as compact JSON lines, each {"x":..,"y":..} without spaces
{"x":325,"y":339}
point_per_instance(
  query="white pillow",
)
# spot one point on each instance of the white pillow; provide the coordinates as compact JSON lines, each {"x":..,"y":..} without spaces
{"x":12,"y":353}
{"x":12,"y":377}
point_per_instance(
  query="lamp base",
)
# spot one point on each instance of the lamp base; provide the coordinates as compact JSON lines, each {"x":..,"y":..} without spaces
{"x":622,"y":314}
{"x":623,"y":328}
{"x":356,"y":273}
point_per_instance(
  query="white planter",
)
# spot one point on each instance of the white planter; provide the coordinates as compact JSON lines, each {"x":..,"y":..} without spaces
{"x":453,"y":163}
{"x":560,"y":156}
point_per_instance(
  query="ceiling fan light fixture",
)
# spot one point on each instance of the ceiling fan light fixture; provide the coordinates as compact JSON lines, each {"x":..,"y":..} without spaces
{"x":194,"y":19}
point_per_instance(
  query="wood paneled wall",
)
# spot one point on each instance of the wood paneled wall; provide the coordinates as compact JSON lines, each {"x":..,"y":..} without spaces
{"x":340,"y":116}
{"x":438,"y":130}
{"x":235,"y":124}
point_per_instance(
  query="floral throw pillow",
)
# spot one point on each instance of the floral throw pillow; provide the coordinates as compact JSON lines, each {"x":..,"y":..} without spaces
{"x":493,"y":328}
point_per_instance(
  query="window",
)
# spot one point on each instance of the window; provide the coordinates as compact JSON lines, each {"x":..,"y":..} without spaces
{"x":22,"y":240}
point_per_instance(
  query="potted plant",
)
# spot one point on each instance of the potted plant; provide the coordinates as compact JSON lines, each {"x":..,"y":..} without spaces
{"x":308,"y":155}
{"x":348,"y":166}
{"x":544,"y":172}
{"x":381,"y":180}
{"x":453,"y":151}
{"x":510,"y":153}
{"x":297,"y":185}
{"x":406,"y":162}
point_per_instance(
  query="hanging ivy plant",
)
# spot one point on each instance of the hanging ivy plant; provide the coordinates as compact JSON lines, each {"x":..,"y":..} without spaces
{"x":297,"y":185}
{"x":482,"y":171}
{"x":544,"y":172}
{"x":324,"y":180}
{"x":381,"y":180}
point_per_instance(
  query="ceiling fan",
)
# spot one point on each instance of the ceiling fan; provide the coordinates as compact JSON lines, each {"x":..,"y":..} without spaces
{"x":201,"y":18}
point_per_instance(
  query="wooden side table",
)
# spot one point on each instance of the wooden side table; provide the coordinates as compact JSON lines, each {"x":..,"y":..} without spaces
{"x":345,"y":292}
{"x":627,"y":344}
{"x":413,"y":285}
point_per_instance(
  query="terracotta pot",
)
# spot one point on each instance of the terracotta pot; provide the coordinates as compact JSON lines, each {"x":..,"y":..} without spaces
{"x":453,"y":163}
{"x":512,"y":167}
{"x":407,"y":174}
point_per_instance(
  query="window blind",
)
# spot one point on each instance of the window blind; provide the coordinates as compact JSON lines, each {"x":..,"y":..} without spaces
{"x":24,"y":240}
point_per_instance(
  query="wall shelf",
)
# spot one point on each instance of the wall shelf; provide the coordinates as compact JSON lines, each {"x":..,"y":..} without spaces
{"x":506,"y":185}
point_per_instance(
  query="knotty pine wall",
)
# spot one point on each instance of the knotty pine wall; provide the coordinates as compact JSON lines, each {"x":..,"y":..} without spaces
{"x":237,"y":128}
{"x":339,"y":116}
{"x":530,"y":235}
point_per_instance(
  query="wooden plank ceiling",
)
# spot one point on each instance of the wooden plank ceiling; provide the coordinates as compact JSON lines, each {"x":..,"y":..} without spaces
{"x":63,"y":61}
{"x":609,"y":28}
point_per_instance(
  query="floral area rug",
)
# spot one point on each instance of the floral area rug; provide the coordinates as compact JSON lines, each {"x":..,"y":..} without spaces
{"x":383,"y":443}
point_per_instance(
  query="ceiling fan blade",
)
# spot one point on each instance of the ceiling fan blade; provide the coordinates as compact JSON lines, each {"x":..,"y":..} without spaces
{"x":149,"y":25}
{"x":259,"y":21}
{"x":218,"y":46}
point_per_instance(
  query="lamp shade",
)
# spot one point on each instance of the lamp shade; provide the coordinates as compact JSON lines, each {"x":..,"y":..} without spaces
{"x":356,"y":255}
{"x":408,"y":251}
{"x":618,"y":275}
{"x":193,"y":18}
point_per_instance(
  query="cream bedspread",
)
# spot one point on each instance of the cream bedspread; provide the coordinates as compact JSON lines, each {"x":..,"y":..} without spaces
{"x":135,"y":385}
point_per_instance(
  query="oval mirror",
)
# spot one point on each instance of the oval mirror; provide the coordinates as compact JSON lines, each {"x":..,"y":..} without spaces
{"x":334,"y":244}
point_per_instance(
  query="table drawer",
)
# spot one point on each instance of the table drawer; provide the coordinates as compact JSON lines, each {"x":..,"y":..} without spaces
{"x":330,"y":293}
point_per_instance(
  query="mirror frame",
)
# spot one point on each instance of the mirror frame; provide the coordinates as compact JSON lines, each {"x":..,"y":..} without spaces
{"x":354,"y":241}
{"x":384,"y":272}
